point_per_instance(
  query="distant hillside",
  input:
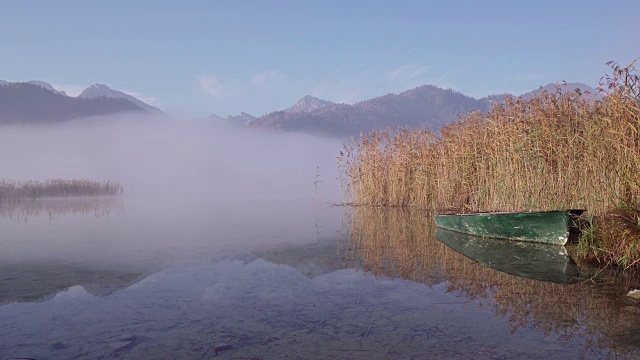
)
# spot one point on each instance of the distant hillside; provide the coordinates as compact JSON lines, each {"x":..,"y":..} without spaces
{"x":495,"y":99}
{"x":26,"y":103}
{"x":426,"y":106}
{"x":585,"y":90}
{"x":309,"y":104}
{"x":100,"y":90}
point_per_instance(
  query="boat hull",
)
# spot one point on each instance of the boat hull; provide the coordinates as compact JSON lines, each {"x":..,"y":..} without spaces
{"x":547,"y":227}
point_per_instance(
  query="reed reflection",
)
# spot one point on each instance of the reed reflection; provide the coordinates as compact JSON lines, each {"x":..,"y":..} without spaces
{"x":101,"y":206}
{"x":402,"y":243}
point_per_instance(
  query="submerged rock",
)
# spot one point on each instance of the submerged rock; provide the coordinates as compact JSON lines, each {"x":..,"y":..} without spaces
{"x":58,"y":345}
{"x":222,"y":347}
{"x":634,"y":294}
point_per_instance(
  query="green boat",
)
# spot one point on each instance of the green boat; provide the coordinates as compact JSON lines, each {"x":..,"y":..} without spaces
{"x":541,"y":262}
{"x":547,"y":227}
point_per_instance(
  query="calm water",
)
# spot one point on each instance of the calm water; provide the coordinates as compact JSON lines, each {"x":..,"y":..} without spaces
{"x":154,"y":277}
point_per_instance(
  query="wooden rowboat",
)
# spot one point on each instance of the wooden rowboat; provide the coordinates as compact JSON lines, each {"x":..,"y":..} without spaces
{"x":547,"y":227}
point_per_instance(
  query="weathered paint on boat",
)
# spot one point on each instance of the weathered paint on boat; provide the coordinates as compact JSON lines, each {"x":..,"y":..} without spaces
{"x":544,"y":262}
{"x":548,"y":227}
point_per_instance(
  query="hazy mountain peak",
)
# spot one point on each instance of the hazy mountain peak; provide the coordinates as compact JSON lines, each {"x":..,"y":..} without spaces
{"x":98,"y":90}
{"x":102,"y":90}
{"x":46,"y":86}
{"x":242,"y":119}
{"x":245,"y":114}
{"x":102,"y":87}
{"x":29,"y":103}
{"x":425,"y":106}
{"x":41,"y":84}
{"x":215,"y":117}
{"x":308,"y":104}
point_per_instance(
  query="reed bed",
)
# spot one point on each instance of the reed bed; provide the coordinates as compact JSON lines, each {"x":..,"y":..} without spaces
{"x":554,"y":151}
{"x":17,"y":191}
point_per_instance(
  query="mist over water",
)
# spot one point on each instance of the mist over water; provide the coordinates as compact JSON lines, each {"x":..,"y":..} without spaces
{"x":182,"y":157}
{"x":193,"y":191}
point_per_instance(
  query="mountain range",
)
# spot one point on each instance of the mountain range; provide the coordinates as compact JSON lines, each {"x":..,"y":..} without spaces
{"x":425,"y":106}
{"x":40,"y":103}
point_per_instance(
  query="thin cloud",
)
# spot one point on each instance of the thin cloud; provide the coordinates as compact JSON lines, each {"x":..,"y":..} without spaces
{"x":210,"y":85}
{"x":337,"y":91}
{"x":410,"y":76}
{"x":528,"y":77}
{"x":366,"y":84}
{"x":348,"y":88}
{"x":409,"y":72}
{"x":265,"y":77}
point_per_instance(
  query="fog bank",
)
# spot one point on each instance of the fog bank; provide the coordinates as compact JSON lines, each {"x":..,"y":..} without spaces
{"x":187,"y":158}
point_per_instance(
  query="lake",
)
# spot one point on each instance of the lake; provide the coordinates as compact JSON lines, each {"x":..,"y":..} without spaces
{"x":191,"y":276}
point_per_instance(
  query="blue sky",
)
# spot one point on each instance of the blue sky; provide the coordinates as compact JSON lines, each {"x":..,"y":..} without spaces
{"x":193,"y":58}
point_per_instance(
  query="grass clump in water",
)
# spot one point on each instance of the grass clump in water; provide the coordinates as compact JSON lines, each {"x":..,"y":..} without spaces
{"x":613,"y":238}
{"x":16,"y":191}
{"x":554,"y":151}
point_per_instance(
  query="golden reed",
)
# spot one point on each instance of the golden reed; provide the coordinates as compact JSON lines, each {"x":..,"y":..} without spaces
{"x":554,"y":151}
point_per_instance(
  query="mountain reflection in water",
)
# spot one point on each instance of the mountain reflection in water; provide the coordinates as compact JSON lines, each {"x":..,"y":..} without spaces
{"x":28,"y":282}
{"x":385,"y":288}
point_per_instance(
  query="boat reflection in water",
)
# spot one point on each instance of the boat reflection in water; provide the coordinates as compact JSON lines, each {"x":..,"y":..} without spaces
{"x":402,"y":243}
{"x":543,"y":262}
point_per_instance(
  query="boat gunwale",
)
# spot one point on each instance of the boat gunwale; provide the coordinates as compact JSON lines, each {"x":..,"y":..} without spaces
{"x":575,"y":212}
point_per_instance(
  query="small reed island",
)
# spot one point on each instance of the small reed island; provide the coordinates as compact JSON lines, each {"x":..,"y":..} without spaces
{"x":18,"y":191}
{"x":555,"y":151}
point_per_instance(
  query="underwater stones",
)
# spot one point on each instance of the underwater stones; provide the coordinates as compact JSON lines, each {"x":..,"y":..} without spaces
{"x":634,"y":294}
